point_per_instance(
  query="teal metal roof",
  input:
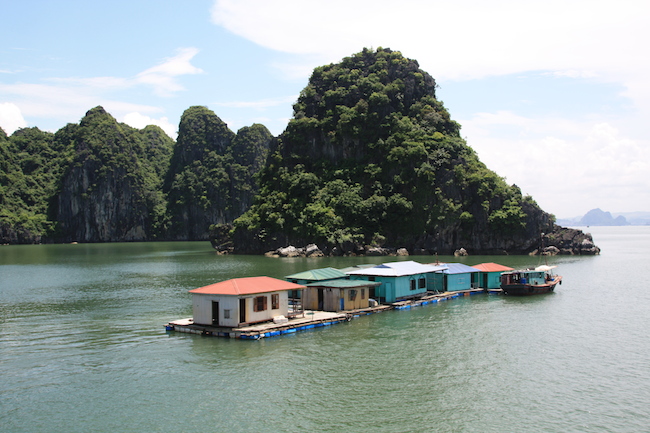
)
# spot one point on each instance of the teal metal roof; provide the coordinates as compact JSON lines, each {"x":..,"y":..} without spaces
{"x":344,"y":284}
{"x":317,"y":275}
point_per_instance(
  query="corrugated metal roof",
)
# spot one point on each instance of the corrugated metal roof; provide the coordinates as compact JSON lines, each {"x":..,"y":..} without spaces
{"x":247,"y":286}
{"x":397,"y":269}
{"x":356,"y":268}
{"x":458,"y":268}
{"x":317,"y":275}
{"x":492,"y":267}
{"x":344,"y":284}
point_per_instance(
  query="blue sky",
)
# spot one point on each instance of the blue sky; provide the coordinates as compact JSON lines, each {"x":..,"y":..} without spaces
{"x":554,"y":96}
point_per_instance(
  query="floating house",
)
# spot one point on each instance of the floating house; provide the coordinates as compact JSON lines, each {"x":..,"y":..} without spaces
{"x":399,"y":280}
{"x":489,"y":276}
{"x":338,"y":295}
{"x":242,"y":301}
{"x":314,"y":276}
{"x":454,"y":278}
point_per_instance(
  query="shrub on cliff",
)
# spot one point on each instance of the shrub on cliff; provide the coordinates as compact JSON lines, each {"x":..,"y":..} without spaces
{"x":211,"y":174}
{"x":371,"y":152}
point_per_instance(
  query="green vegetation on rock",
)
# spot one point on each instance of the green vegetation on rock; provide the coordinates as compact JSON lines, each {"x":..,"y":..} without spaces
{"x":371,"y":154}
{"x":211,"y":176}
{"x":370,"y":157}
{"x":31,"y":164}
{"x":104,"y":181}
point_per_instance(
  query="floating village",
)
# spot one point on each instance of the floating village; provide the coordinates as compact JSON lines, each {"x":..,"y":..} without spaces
{"x":261,"y":307}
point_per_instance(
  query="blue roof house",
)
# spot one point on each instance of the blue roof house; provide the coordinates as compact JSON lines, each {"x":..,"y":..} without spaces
{"x":454,"y":278}
{"x":399,"y":280}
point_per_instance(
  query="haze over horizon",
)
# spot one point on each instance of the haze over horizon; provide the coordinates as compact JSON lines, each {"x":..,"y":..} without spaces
{"x":552,"y":95}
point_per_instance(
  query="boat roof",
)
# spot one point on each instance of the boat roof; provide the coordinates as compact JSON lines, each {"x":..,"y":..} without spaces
{"x":247,"y":286}
{"x":397,"y":269}
{"x":317,"y":275}
{"x":458,"y":268}
{"x":545,"y":268}
{"x":492,"y":267}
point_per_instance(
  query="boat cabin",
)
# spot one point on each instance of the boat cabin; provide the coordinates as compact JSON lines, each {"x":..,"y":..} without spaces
{"x":525,"y":277}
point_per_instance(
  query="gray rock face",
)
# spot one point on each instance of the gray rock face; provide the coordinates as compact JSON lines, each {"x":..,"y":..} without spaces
{"x":96,"y":207}
{"x":103,"y":195}
{"x":568,"y":241}
{"x":310,"y":250}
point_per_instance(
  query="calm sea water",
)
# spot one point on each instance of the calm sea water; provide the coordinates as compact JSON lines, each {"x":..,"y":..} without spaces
{"x":83,"y":349}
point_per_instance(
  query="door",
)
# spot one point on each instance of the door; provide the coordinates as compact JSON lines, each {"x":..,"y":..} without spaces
{"x":390,"y":294}
{"x":320,"y":299}
{"x":242,"y":310}
{"x":215,"y":313}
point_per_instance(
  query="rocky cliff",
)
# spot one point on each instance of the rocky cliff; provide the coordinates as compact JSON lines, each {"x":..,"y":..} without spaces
{"x":104,"y":181}
{"x":108,"y":192}
{"x":211,"y":175}
{"x":372,"y":158}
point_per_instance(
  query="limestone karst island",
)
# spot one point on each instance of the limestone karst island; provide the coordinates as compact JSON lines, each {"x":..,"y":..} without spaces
{"x":371,"y":162}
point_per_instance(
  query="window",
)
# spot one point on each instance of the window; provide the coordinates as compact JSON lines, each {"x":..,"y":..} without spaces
{"x":422,"y":283}
{"x":226,"y":314}
{"x":259,"y":303}
{"x":275,"y":301}
{"x":353,"y":295}
{"x":412,"y":284}
{"x":371,"y":278}
{"x":363,"y":293}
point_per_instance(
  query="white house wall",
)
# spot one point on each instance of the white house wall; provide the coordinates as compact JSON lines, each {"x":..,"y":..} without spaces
{"x":202,"y":308}
{"x":269,"y":313}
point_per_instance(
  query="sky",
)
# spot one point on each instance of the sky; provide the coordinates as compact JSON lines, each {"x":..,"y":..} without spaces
{"x":554,"y":96}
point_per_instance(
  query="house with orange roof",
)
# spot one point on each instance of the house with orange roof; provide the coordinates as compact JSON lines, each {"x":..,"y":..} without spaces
{"x":242,"y":301}
{"x":490,"y":275}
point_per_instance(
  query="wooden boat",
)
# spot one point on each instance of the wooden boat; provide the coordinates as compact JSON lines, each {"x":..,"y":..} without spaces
{"x":530,"y":281}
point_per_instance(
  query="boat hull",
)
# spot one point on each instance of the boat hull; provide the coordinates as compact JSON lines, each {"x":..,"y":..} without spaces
{"x":530,"y":289}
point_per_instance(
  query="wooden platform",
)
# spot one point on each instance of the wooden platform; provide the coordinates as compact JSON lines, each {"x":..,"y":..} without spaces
{"x":308,"y":320}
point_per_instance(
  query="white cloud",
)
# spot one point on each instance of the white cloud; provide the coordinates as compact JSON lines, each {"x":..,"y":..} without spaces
{"x":261,"y":104}
{"x":11,"y":118}
{"x":566,"y":162}
{"x":140,"y":121}
{"x":162,"y":77}
{"x":464,"y":39}
{"x":568,"y":166}
{"x":66,"y":99}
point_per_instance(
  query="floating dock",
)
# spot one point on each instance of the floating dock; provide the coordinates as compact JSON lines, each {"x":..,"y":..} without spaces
{"x":309,"y":319}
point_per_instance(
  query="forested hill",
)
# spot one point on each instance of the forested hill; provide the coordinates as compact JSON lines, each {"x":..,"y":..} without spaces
{"x":371,"y":157}
{"x":104,"y":181}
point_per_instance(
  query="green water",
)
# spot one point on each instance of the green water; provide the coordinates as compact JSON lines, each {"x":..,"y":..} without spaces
{"x":83,"y":349}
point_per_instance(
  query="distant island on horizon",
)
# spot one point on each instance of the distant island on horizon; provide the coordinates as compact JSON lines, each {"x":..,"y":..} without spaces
{"x":598,"y":217}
